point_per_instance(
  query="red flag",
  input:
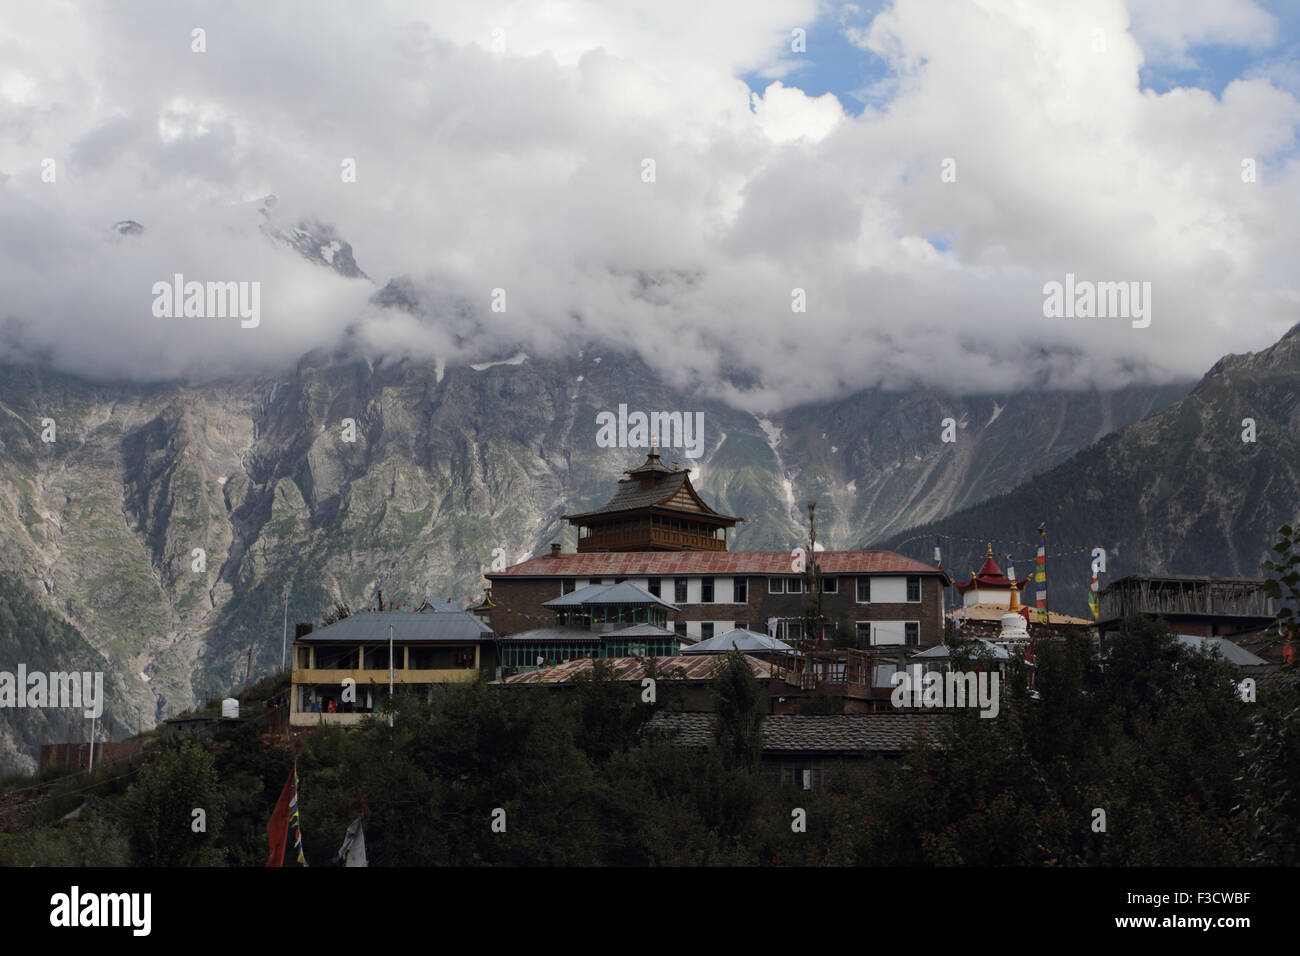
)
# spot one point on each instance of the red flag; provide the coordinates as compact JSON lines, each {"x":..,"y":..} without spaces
{"x":277,"y":830}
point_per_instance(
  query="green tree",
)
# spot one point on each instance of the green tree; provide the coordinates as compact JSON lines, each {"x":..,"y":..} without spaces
{"x":1286,"y":586}
{"x":336,"y":614}
{"x":738,"y":702}
{"x":158,"y":810}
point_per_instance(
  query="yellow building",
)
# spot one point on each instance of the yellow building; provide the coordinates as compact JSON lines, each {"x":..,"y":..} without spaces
{"x":341,"y":672}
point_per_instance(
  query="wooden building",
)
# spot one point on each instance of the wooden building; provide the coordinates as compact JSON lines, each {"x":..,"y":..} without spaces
{"x":1199,"y":606}
{"x":655,"y":509}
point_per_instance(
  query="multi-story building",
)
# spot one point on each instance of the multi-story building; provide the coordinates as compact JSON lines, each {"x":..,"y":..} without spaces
{"x":596,"y":621}
{"x":876,"y":600}
{"x":341,"y":672}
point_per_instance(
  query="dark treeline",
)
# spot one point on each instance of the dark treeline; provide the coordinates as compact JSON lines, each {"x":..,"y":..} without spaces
{"x":1156,"y":739}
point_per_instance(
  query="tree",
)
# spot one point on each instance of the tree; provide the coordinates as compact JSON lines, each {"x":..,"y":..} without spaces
{"x":1286,"y":586}
{"x":339,"y":612}
{"x":737,"y":698}
{"x":159,"y":810}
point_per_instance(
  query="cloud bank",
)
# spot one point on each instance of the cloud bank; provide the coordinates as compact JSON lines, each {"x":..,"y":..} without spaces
{"x":500,"y":146}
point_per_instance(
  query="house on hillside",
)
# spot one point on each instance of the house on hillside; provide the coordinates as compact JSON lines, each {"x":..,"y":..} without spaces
{"x":342,"y":672}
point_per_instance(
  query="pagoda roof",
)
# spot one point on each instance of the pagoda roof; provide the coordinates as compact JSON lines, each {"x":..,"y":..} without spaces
{"x":655,"y":485}
{"x":623,"y":593}
{"x":990,"y":576}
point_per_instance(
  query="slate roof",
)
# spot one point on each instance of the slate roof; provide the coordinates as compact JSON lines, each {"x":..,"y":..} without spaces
{"x":843,"y":734}
{"x":635,"y":493}
{"x":669,"y":563}
{"x":408,"y":626}
{"x":741,"y":640}
{"x":633,"y":669}
{"x":603,"y":594}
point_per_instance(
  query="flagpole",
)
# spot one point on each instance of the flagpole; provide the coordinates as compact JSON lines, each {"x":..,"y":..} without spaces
{"x":284,"y":638}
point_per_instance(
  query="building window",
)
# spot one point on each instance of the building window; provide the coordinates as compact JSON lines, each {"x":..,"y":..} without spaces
{"x":805,"y":778}
{"x":912,"y":632}
{"x":567,"y":586}
{"x":790,"y":631}
{"x":794,"y":585}
{"x":653,"y":586}
{"x":706,"y":590}
{"x":830,"y":585}
{"x":680,"y":627}
{"x":913,"y":588}
{"x":776,"y":585}
{"x":884,"y":675}
{"x":619,"y":580}
{"x":706,"y":630}
{"x":742,"y":625}
{"x":740,"y":590}
{"x":864,"y":633}
{"x":679,"y":590}
{"x":596,"y":581}
{"x":864,"y":590}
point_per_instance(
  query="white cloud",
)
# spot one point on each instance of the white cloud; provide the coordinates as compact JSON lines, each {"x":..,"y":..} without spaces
{"x":1169,"y":29}
{"x":522,"y":169}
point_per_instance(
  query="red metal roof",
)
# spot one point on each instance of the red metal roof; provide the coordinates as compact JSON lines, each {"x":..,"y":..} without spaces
{"x":634,"y":668}
{"x":668,"y":563}
{"x":990,"y":576}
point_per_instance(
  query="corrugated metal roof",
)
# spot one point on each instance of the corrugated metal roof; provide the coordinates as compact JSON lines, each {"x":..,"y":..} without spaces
{"x":634,"y":668}
{"x":1229,"y":651}
{"x":741,"y":640}
{"x":602,"y":594}
{"x":643,"y":630}
{"x":940,"y":651}
{"x":668,"y":563}
{"x":809,"y":733}
{"x":551,"y":634}
{"x":994,"y":612}
{"x":408,"y":626}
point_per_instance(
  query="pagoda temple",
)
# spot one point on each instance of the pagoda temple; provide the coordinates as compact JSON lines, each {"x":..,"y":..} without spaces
{"x":989,"y":599}
{"x":655,"y":509}
{"x":989,"y":585}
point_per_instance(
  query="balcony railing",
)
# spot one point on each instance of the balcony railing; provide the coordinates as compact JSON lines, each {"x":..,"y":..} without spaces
{"x":823,"y":670}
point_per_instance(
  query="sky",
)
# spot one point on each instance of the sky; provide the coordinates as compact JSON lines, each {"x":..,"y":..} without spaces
{"x":775,"y":201}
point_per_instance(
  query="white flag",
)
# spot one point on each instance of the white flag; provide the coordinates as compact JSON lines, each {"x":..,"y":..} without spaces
{"x":353,"y":850}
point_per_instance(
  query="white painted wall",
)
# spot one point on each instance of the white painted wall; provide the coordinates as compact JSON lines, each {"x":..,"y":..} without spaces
{"x":888,"y":589}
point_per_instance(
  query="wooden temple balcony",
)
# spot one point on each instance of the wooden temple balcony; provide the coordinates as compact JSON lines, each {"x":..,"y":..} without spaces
{"x":649,"y":539}
{"x":844,"y":672}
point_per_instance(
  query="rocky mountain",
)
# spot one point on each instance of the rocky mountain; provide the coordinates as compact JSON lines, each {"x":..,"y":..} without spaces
{"x":1198,"y":488}
{"x":166,"y":525}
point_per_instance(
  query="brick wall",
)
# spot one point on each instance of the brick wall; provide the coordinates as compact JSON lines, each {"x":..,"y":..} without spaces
{"x":77,"y":756}
{"x":527,"y":595}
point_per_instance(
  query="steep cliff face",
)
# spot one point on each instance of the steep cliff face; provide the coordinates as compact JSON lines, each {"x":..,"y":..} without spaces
{"x":1183,"y":491}
{"x":168,"y":524}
